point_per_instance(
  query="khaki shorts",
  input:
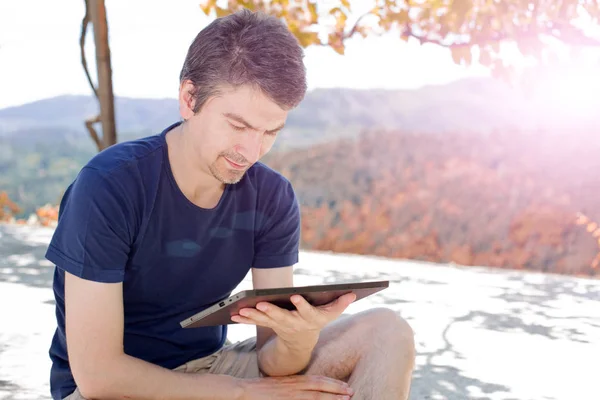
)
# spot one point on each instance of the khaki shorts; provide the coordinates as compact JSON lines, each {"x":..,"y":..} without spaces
{"x":238,"y":359}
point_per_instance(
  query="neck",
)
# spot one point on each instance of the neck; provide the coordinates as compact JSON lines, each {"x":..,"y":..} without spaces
{"x":194,"y":180}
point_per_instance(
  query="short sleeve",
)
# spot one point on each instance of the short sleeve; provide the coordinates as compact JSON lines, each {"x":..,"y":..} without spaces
{"x":93,"y":236}
{"x":277,"y":242}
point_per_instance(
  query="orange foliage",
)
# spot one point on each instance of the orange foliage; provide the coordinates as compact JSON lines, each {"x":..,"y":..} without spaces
{"x":591,"y":227}
{"x":8,"y":208}
{"x":503,"y":200}
{"x":47,"y":215}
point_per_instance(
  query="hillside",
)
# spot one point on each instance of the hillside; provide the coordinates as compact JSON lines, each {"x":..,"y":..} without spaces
{"x":453,"y":173}
{"x":507,"y":200}
{"x":477,"y":105}
{"x":43,"y":144}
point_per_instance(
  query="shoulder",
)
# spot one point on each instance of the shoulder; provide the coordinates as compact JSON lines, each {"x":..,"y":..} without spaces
{"x":275,"y":194}
{"x":272,"y":189}
{"x":120,"y":178}
{"x":123,"y":157}
{"x":132,"y":167}
{"x":267,"y":179}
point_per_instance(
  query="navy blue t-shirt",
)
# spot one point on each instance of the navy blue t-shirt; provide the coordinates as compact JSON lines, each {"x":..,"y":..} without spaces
{"x":124,"y":219}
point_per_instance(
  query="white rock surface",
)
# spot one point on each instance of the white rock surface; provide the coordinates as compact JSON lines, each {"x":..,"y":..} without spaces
{"x":481,"y":333}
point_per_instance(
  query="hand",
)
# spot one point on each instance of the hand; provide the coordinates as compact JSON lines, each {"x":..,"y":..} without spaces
{"x":295,"y":387}
{"x":295,"y":326}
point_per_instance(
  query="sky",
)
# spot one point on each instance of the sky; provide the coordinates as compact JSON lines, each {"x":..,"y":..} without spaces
{"x":40,"y":55}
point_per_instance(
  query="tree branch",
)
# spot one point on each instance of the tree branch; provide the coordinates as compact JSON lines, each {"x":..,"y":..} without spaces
{"x":423,"y":39}
{"x":84,"y":24}
{"x":356,"y":26}
{"x":93,"y":134}
{"x":89,"y":123}
{"x":567,"y":34}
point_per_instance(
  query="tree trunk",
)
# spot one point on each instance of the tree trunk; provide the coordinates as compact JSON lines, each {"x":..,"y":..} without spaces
{"x":105,"y":89}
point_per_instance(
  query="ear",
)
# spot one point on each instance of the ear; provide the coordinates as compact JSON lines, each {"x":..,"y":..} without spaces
{"x":186,"y":100}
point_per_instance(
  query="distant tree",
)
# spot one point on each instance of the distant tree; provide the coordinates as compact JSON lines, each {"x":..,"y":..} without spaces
{"x":8,"y":208}
{"x":594,"y":229}
{"x":443,"y":198}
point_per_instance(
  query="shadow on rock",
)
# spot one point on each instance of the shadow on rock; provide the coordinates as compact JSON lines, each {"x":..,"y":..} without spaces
{"x":448,"y":383}
{"x":550,"y":289}
{"x":542,"y":299}
{"x":432,"y":381}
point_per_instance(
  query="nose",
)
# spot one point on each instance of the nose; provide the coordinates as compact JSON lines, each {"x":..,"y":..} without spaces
{"x":250,"y":147}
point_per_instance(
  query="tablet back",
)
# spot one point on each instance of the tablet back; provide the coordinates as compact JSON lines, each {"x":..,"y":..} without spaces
{"x":221,"y":313}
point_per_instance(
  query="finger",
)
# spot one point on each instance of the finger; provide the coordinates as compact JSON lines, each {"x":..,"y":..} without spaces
{"x":247,"y":321}
{"x":305,"y":309}
{"x":330,"y":396}
{"x":316,"y":383}
{"x":339,"y":305}
{"x":311,"y":395}
{"x":277,"y":314}
{"x":327,"y":385}
{"x":242,"y":320}
{"x":256,"y":316}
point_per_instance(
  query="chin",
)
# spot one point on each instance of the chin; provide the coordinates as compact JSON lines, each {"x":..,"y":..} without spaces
{"x":233,"y":180}
{"x":227,"y":176}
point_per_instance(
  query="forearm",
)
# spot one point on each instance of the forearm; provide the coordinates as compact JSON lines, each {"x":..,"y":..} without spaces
{"x":130,"y":378}
{"x":277,"y":358}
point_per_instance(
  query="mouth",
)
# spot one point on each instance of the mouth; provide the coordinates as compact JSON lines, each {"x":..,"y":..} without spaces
{"x":235,"y":165}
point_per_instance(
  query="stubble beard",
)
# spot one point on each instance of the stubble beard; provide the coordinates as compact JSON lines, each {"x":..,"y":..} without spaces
{"x":224,"y":175}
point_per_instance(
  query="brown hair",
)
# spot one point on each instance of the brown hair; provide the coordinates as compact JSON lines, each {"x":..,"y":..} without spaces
{"x":246,"y":48}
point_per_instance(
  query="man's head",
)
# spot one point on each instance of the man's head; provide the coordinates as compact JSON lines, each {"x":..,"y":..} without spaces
{"x":242,"y":75}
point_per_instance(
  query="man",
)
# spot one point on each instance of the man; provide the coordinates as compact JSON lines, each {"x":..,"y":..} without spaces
{"x":154,"y":230}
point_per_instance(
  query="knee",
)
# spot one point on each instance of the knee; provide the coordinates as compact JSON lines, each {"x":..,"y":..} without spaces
{"x":390,"y":329}
{"x":389,"y":322}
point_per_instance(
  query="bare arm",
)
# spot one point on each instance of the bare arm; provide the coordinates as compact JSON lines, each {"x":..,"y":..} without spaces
{"x":275,"y":357}
{"x":94,"y":328}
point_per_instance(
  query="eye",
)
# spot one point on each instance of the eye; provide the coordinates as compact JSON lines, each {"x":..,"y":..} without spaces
{"x":237,"y":128}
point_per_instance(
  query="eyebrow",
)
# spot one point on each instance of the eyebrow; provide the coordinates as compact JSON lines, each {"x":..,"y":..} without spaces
{"x":242,"y":121}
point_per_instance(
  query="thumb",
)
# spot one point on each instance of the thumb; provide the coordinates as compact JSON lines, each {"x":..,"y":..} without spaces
{"x":340,"y":304}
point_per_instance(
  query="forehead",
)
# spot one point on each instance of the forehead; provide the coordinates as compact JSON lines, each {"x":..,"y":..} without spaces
{"x":252,"y":105}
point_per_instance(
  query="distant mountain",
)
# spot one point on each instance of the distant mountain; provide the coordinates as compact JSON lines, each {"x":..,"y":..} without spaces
{"x":44,"y":144}
{"x":480,"y":105}
{"x":69,"y":113}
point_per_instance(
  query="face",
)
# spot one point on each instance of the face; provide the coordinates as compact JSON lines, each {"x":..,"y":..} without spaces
{"x":232,"y":131}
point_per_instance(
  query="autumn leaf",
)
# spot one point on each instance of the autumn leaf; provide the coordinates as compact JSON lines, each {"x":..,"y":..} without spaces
{"x":207,"y":6}
{"x":455,"y":24}
{"x":221,"y":12}
{"x":336,"y":43}
{"x":307,"y":38}
{"x":314,"y":17}
{"x":461,"y":55}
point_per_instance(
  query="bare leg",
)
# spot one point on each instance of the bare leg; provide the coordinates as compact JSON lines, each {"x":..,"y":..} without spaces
{"x":374,"y":351}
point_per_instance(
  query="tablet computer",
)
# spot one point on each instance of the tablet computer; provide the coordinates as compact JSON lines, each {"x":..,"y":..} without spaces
{"x":221,"y":313}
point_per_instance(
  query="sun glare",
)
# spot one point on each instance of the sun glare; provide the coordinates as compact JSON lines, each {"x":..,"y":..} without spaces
{"x":578,"y":87}
{"x":573,"y":89}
